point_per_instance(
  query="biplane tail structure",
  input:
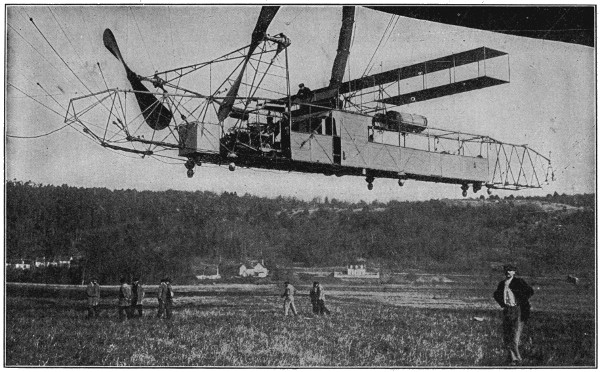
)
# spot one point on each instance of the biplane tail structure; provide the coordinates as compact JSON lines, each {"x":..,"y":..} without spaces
{"x":267,"y":13}
{"x":456,"y":73}
{"x":156,"y":115}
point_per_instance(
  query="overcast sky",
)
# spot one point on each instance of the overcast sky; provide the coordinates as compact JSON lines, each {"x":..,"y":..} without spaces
{"x":549,"y":103}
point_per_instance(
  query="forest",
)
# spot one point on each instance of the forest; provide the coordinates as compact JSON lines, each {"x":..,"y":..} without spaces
{"x":154,"y":233}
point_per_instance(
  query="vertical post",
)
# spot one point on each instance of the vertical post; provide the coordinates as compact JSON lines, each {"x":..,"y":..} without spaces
{"x":454,"y":66}
{"x":287,"y":78}
{"x":484,"y":68}
{"x":508,"y":57}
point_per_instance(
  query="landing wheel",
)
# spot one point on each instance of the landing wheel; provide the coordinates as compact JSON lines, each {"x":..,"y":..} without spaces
{"x":489,"y":191}
{"x":401,"y":182}
{"x":190,"y":164}
{"x":476,"y":187}
{"x":370,"y":180}
{"x":232,"y":166}
{"x":464,"y":189}
{"x":190,"y":173}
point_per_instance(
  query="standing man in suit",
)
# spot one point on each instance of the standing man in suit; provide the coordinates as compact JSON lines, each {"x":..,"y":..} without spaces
{"x":513,"y":296}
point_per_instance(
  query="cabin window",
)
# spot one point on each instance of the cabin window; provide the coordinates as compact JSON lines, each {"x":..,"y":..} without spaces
{"x":330,"y":129}
{"x":309,"y":125}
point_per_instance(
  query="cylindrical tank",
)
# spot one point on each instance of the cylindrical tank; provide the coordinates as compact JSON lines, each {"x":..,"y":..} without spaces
{"x":400,"y":122}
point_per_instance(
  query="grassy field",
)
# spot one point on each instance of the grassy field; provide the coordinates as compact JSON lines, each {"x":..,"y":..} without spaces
{"x":243,"y":325}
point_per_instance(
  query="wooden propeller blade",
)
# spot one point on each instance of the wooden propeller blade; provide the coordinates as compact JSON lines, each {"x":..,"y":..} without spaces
{"x":111,"y":44}
{"x":157,"y":116}
{"x":267,"y":13}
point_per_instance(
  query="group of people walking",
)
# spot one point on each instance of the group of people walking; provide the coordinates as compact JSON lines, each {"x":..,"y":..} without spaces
{"x":317,"y":299}
{"x":131,"y":297}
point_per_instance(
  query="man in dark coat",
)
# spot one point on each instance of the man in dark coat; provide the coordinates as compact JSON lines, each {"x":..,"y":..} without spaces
{"x":304,"y":92}
{"x":165,"y":298}
{"x":137,"y":297}
{"x":513,"y":296}
{"x":314,"y":297}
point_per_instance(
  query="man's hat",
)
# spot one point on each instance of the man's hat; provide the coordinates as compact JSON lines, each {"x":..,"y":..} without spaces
{"x":136,"y":278}
{"x":510,"y":268}
{"x":301,"y":85}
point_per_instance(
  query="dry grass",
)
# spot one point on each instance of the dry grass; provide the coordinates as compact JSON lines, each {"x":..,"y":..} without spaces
{"x":245,"y":327}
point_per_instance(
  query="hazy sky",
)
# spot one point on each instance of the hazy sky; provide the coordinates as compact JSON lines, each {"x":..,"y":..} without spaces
{"x":549,"y":103}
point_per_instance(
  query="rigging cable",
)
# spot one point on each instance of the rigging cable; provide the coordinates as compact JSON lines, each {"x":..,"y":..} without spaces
{"x":142,"y":37}
{"x":54,"y":111}
{"x":66,"y":36}
{"x":368,"y":69}
{"x":34,"y":48}
{"x":59,"y":56}
{"x":102,"y":74}
{"x":51,"y":96}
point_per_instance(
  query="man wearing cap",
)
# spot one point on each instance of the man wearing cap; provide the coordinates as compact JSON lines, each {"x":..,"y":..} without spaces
{"x":304,"y":92}
{"x":93,"y":296}
{"x":137,"y":297}
{"x":513,"y":296}
{"x":288,"y":299}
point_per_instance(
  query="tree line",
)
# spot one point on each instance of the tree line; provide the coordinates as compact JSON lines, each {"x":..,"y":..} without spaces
{"x":152,"y":233}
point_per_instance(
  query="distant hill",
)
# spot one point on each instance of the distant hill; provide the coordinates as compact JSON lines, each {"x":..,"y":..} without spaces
{"x":156,"y":233}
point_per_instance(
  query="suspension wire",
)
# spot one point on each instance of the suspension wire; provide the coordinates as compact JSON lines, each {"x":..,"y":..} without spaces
{"x":41,"y":135}
{"x":171,"y":30}
{"x":102,"y":74}
{"x":54,"y":99}
{"x":368,"y":69}
{"x":66,"y":36}
{"x":32,"y":47}
{"x":142,"y":37}
{"x":54,"y":111}
{"x":51,"y":109}
{"x":59,"y":56}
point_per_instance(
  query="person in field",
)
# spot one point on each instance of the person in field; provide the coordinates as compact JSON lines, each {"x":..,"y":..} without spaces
{"x":513,"y":296}
{"x":124,"y":300}
{"x":314,"y":297}
{"x":321,"y":300}
{"x":137,"y":297}
{"x":93,"y":297}
{"x":165,"y":298}
{"x":288,"y":299}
